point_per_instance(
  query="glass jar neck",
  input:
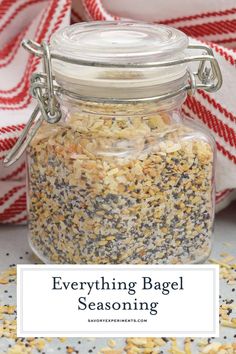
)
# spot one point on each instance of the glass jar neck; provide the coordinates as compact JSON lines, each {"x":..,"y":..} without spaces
{"x":122,"y":84}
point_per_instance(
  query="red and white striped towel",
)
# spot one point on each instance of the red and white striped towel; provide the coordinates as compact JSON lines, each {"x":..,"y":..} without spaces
{"x":209,"y":21}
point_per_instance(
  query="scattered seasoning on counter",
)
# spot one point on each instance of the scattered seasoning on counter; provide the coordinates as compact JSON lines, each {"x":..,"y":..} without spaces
{"x":7,"y":275}
{"x":228,"y":273}
{"x":111,"y":343}
{"x":110,"y":351}
{"x":152,"y":346}
{"x":120,"y":189}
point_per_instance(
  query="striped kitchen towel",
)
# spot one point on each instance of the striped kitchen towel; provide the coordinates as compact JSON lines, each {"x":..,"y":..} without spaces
{"x":209,"y":21}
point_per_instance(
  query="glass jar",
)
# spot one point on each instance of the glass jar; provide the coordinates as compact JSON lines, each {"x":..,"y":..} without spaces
{"x":123,"y":177}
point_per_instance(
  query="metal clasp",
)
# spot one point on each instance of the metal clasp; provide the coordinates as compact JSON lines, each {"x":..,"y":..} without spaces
{"x":208,"y":77}
{"x":47,"y":107}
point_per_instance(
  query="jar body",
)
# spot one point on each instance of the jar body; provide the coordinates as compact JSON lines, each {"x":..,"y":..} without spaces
{"x":121,"y":184}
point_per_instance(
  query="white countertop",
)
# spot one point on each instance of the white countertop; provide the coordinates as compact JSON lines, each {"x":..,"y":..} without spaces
{"x":14,"y":249}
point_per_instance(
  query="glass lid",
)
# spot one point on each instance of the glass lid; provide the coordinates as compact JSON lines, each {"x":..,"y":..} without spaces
{"x":118,"y":42}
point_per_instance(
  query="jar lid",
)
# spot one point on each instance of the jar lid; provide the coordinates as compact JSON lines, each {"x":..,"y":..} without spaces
{"x":120,"y":43}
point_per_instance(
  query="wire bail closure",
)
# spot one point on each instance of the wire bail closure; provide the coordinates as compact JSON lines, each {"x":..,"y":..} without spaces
{"x":43,"y":88}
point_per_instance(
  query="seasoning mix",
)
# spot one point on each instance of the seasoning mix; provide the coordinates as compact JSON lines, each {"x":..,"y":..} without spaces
{"x":123,"y":177}
{"x":121,"y":190}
